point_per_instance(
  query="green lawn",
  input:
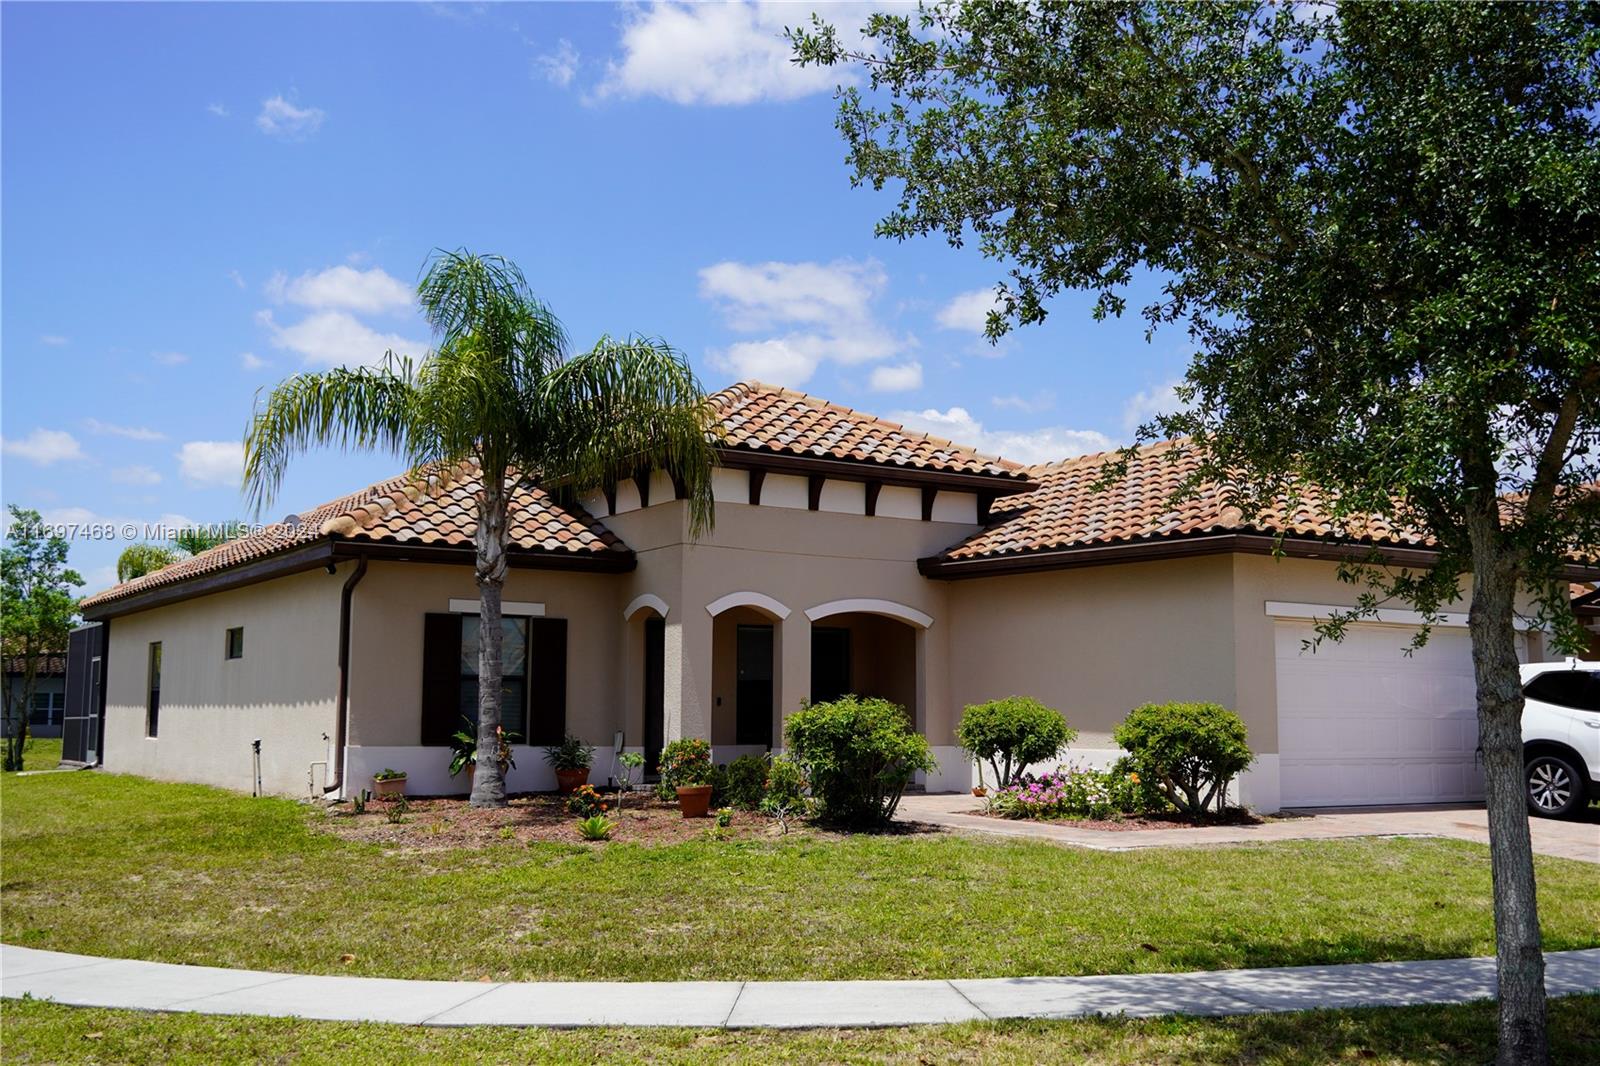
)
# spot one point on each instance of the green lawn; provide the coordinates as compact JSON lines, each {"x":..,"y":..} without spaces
{"x":43,"y":1032}
{"x":42,"y":753}
{"x":121,"y":866}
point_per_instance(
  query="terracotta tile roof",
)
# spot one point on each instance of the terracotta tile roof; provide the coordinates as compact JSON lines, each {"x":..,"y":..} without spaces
{"x":402,"y":510}
{"x":51,"y":664}
{"x":1065,"y":512}
{"x":767,"y":418}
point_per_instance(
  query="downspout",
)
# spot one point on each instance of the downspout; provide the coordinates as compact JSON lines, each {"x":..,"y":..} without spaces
{"x":341,"y":714}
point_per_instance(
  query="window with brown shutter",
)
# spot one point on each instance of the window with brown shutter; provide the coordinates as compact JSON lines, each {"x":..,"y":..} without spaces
{"x":547,"y":680}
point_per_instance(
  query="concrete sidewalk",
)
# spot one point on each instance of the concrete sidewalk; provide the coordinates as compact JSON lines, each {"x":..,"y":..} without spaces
{"x":85,"y":981}
{"x":1574,"y":839}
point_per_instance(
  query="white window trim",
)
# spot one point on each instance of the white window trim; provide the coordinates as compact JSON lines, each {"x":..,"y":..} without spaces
{"x":758,"y":600}
{"x":507,"y":607}
{"x":887,"y":608}
{"x":1316,"y":612}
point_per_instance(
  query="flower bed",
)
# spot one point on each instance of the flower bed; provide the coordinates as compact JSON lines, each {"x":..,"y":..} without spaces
{"x":1078,"y":792}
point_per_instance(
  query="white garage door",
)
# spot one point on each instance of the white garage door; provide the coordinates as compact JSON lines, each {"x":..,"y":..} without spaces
{"x":1360,"y":723}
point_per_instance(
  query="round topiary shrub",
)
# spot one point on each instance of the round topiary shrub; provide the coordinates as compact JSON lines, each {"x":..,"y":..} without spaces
{"x":1192,"y":749}
{"x":1011,"y":734}
{"x":859,"y":754}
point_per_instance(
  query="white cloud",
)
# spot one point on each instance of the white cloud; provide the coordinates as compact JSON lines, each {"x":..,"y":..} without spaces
{"x":901,"y":378}
{"x":329,"y":338}
{"x":219,"y":110}
{"x":251,"y":361}
{"x":968,"y":311}
{"x":43,"y":446}
{"x":211,"y":462}
{"x":826,"y":307}
{"x":53,"y":340}
{"x":1042,"y":445}
{"x":237,"y":278}
{"x":279,"y":118}
{"x":1145,"y":405}
{"x":169,"y":358}
{"x":94,"y":425}
{"x":135,"y":475}
{"x":343,"y":288}
{"x":560,"y":66}
{"x":731,"y":53}
{"x":1041,"y":401}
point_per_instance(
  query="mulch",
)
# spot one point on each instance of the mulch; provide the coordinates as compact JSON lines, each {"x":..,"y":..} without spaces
{"x":439,"y":823}
{"x":1233,"y":816}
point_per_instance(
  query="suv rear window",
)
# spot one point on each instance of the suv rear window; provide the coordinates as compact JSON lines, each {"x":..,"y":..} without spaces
{"x":1579,"y":689}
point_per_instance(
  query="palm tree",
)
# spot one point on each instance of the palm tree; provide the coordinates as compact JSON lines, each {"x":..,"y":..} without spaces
{"x":498,"y":390}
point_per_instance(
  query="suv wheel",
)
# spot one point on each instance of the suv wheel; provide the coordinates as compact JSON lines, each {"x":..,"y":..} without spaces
{"x":1555,"y":789}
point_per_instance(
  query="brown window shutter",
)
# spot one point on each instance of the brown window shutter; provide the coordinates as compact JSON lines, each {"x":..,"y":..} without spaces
{"x":547,"y":680}
{"x":441,"y":678}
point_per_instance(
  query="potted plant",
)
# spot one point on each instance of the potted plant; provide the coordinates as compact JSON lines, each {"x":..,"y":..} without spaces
{"x":686,"y":769}
{"x":464,"y":750}
{"x":980,"y":789}
{"x":570,"y":760}
{"x":387,"y":783}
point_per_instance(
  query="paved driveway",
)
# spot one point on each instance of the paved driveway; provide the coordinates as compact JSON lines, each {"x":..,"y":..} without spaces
{"x":1578,"y":839}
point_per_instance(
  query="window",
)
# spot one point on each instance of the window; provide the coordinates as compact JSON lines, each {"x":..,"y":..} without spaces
{"x":1578,"y":689}
{"x":236,"y":642}
{"x":513,"y":667}
{"x":46,"y":708}
{"x":152,"y":707}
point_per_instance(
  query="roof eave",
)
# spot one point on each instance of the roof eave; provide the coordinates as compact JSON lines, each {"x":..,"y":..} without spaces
{"x":332,"y":549}
{"x":1006,"y":484}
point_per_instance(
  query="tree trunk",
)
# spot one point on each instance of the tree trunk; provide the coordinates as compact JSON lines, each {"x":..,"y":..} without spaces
{"x":1519,"y":956}
{"x":488,"y":782}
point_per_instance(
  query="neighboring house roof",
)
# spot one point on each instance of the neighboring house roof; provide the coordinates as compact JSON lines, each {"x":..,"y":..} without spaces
{"x":51,"y":664}
{"x":1065,"y":514}
{"x":767,"y":419}
{"x":428,"y":512}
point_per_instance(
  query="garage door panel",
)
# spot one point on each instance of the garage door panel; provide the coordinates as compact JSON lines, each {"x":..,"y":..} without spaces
{"x":1360,"y":722}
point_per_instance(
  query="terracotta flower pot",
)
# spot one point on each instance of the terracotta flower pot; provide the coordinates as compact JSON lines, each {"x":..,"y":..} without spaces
{"x":389,"y":786}
{"x":979,"y":790}
{"x":472,"y":768}
{"x":571,"y":780}
{"x":694,"y":800}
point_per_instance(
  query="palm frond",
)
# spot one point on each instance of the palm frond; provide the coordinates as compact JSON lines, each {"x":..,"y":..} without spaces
{"x":624,"y":406}
{"x":361,"y":407}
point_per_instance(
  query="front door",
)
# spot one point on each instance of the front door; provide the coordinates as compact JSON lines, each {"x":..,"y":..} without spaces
{"x":830,"y":663}
{"x":754,"y":693}
{"x":655,"y":691}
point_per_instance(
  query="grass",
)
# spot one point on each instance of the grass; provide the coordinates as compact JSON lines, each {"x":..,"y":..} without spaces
{"x":44,"y":1032}
{"x":121,"y":866}
{"x":41,"y":753}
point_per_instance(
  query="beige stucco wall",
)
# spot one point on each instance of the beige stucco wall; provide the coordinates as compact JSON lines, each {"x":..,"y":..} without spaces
{"x":283,"y":690}
{"x":1097,"y":641}
{"x":387,"y":612}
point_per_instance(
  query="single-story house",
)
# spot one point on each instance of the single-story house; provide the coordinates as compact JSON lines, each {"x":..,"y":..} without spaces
{"x":49,"y":693}
{"x":849,"y":554}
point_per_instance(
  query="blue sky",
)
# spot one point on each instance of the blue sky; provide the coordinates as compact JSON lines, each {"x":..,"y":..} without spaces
{"x":201,"y":199}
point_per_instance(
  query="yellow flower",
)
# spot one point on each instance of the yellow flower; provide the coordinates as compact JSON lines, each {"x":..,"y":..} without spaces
{"x":1134,"y":778}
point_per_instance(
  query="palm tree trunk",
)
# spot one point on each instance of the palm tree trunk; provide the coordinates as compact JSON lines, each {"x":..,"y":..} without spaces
{"x":1519,"y":957}
{"x":488,"y":782}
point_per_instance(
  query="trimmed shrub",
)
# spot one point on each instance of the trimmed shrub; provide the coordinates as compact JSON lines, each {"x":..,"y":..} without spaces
{"x":1011,"y":734}
{"x":859,"y":755}
{"x":746,"y":783}
{"x":1192,"y":749}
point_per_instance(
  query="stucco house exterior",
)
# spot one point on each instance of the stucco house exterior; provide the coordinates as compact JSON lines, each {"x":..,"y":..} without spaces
{"x":848,"y":555}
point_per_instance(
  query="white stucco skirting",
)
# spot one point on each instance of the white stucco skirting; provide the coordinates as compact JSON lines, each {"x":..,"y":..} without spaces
{"x":760,"y":601}
{"x":887,"y":608}
{"x":428,"y":769}
{"x":643,"y":601}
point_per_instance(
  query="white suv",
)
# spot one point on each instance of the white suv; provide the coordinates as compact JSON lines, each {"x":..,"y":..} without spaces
{"x":1561,"y":736}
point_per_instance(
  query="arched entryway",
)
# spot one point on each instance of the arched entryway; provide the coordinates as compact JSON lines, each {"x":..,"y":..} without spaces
{"x":745,"y":680}
{"x":869,"y":648}
{"x":646,"y":619}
